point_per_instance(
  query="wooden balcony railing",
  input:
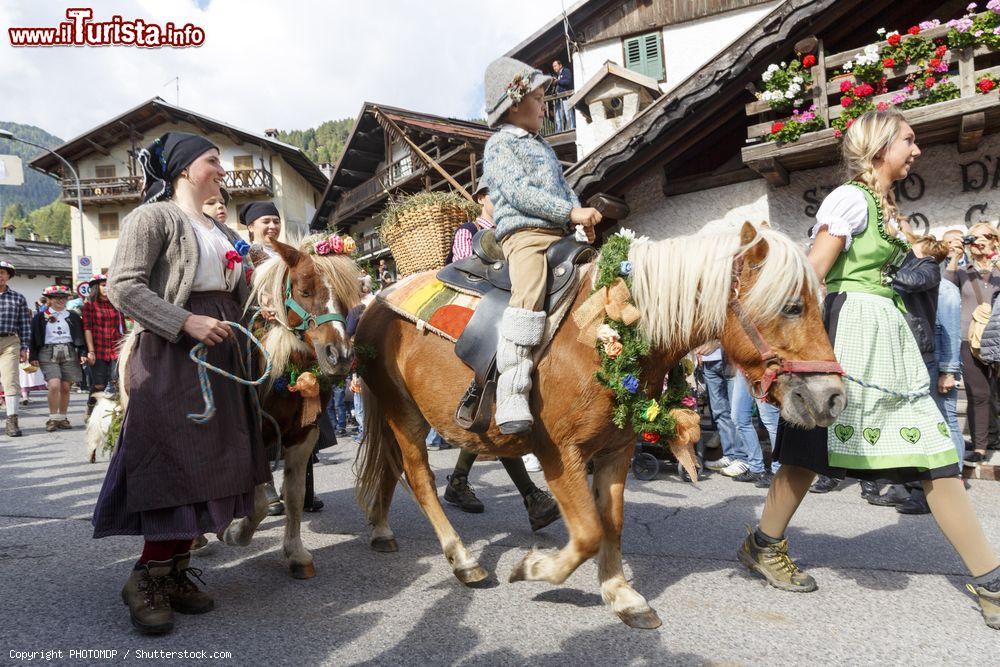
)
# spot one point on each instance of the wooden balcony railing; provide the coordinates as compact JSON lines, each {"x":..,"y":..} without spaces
{"x":123,"y":189}
{"x":962,"y":116}
{"x":399,"y":171}
{"x":558,"y":117}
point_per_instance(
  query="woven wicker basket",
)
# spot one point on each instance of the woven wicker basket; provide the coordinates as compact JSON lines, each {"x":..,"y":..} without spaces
{"x":421,"y":237}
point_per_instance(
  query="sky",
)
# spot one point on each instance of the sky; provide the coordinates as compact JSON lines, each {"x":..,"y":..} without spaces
{"x":288,"y":64}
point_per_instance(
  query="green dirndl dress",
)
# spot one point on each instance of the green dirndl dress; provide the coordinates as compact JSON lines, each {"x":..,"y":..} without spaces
{"x":879,"y":435}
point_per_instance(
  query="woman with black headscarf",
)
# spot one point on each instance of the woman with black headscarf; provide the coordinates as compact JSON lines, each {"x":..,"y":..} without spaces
{"x":179,"y":274}
{"x":263,"y":223}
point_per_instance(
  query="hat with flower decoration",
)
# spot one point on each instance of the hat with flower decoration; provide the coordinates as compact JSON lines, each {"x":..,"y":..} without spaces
{"x":57,"y":291}
{"x":508,"y":81}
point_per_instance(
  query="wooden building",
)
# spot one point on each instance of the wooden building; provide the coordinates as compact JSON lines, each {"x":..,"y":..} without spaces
{"x":258,"y":166}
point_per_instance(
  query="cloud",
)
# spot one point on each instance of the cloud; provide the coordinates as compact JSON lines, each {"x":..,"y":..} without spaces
{"x":290,"y":64}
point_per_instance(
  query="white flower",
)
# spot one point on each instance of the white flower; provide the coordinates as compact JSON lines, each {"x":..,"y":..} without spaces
{"x":880,"y":31}
{"x":772,"y":68}
{"x":626,"y":233}
{"x":847,"y":66}
{"x":798,"y":79}
{"x":766,"y":76}
{"x":798,"y":103}
{"x":789,"y":94}
{"x":606,"y":333}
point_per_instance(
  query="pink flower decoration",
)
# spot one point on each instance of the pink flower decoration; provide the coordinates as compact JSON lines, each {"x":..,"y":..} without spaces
{"x":689,"y":401}
{"x":322,"y":248}
{"x":336,"y":244}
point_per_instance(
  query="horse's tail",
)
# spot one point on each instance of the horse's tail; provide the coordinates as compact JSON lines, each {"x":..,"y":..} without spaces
{"x":379,"y":462}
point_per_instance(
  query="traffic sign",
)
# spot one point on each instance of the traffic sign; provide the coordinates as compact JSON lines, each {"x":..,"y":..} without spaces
{"x":83,"y":289}
{"x":84,"y":268}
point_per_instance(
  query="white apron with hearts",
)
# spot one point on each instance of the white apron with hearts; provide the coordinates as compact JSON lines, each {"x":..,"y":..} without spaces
{"x":876,"y":430}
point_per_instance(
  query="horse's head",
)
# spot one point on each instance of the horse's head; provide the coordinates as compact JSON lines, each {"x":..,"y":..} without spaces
{"x":774,"y":329}
{"x":315,"y":296}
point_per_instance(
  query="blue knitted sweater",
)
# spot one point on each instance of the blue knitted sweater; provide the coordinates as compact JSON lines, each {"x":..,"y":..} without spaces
{"x":526,"y":183}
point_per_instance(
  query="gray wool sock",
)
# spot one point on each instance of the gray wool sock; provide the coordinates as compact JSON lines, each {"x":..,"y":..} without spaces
{"x":990,"y":581}
{"x":765,"y":540}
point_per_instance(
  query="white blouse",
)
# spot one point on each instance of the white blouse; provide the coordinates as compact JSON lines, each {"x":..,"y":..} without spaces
{"x":212,"y":274}
{"x":843,"y":213}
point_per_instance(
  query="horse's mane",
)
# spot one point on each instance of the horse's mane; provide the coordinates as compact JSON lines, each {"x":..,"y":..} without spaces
{"x":338,"y":272}
{"x":682,"y":285}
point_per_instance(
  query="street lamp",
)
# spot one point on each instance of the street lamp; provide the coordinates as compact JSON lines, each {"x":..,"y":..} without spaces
{"x":4,"y":134}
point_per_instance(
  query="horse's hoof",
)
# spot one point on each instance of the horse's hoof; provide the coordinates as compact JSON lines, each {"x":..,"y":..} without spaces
{"x":641,"y":620}
{"x":302,"y":570}
{"x":385,"y":545}
{"x":235,"y":538}
{"x":519,"y":573}
{"x":470,"y":576}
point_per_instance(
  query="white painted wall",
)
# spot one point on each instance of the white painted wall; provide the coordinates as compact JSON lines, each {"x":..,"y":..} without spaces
{"x":686,"y":48}
{"x":945,"y":200}
{"x":31,"y":288}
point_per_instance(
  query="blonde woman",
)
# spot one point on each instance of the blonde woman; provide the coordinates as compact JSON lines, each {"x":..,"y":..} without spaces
{"x":978,"y":281}
{"x":878,"y":435}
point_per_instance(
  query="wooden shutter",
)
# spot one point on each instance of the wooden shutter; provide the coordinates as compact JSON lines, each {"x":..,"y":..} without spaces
{"x":108,"y":225}
{"x":643,"y":54}
{"x":105,"y":170}
{"x":243,"y":163}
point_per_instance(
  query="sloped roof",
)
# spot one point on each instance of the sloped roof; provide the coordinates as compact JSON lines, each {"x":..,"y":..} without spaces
{"x":609,"y":70}
{"x":156,"y":111}
{"x":38,"y":257}
{"x":365,"y":147}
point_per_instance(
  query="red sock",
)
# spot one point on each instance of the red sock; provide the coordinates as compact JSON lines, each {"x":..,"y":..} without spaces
{"x":159,"y":551}
{"x":182,"y":546}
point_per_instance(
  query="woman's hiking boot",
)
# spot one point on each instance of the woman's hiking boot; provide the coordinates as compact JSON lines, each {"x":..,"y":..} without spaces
{"x":185,"y":596}
{"x":542,"y":509}
{"x":146,"y":594}
{"x":460,"y":494}
{"x":12,"y":429}
{"x":773,"y":563}
{"x":989,"y":602}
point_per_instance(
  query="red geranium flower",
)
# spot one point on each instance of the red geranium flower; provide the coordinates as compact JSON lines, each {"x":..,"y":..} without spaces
{"x":914,"y":30}
{"x":846,"y":101}
{"x":651,"y":437}
{"x":894,"y":40}
{"x":888,"y":62}
{"x":934,"y":62}
{"x":929,"y":82}
{"x":986,"y":85}
{"x":809,"y":60}
{"x":940,"y":51}
{"x":882,"y":106}
{"x":850,"y":121}
{"x":777,"y":127}
{"x":846,"y":85}
{"x":863,"y":90}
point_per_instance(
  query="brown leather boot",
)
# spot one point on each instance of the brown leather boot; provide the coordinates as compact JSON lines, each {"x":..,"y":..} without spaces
{"x":185,"y":596}
{"x":12,"y":430}
{"x":145,"y":593}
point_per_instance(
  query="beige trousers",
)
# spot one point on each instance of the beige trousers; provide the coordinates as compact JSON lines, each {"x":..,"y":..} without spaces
{"x":10,"y":360}
{"x":525,"y":253}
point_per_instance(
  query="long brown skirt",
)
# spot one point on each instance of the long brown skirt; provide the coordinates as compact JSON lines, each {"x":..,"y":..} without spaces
{"x":171,"y":478}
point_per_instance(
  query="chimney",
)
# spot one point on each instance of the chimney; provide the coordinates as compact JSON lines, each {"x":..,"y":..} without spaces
{"x":271,"y":132}
{"x":8,"y":237}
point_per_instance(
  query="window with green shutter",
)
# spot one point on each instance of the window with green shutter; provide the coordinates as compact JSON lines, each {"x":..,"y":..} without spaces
{"x":644,"y":54}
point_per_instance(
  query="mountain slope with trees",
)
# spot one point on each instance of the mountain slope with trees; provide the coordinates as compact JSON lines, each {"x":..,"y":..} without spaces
{"x":321,"y":144}
{"x":38,"y":189}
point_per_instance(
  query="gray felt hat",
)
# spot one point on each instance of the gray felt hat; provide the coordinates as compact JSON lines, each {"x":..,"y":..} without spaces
{"x":507,"y":82}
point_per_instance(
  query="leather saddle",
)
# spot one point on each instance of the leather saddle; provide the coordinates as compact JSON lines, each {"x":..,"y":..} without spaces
{"x":486,"y":272}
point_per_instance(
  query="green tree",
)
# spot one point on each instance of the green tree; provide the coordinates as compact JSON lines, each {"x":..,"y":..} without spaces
{"x":52,"y":221}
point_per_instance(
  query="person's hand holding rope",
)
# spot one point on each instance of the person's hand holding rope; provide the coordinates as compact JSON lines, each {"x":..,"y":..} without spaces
{"x":207,"y":330}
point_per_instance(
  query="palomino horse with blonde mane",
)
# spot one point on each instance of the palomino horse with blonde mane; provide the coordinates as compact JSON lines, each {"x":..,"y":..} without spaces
{"x":754,"y":290}
{"x":310,"y":296}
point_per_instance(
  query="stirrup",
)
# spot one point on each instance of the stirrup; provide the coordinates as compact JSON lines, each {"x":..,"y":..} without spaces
{"x":474,"y":410}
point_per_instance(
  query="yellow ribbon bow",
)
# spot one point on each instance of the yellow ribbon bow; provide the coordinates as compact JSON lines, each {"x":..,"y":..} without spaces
{"x":614,"y":301}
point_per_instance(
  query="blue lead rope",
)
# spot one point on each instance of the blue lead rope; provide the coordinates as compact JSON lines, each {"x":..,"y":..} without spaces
{"x":198,"y":353}
{"x":907,"y":396}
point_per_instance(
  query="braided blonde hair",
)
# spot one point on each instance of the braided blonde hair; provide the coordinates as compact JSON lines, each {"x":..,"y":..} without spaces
{"x":868,"y":136}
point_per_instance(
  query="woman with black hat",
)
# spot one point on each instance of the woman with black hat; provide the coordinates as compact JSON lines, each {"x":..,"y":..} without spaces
{"x":178,"y":274}
{"x":263,"y":223}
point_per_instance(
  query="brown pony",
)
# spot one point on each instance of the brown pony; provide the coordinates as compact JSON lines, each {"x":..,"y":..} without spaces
{"x":299,"y":283}
{"x":685,"y":289}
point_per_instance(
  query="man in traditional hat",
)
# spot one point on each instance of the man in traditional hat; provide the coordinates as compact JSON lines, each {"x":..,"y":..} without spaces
{"x":15,"y":337}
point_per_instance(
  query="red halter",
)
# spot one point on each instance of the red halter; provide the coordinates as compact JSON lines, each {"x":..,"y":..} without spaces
{"x":774,"y":366}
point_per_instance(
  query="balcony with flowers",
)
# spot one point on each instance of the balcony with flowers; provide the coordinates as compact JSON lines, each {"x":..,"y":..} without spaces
{"x":943,"y":77}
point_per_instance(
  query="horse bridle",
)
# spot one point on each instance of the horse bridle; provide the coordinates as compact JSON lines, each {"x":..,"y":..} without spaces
{"x":307,"y":317}
{"x":774,"y":365}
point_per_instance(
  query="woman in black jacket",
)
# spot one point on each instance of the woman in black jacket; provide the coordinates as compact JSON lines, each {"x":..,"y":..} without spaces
{"x":59,"y":347}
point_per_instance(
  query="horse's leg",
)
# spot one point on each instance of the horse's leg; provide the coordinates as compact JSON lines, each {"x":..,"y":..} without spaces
{"x":610,"y":471}
{"x":421,"y":480}
{"x":566,"y":473}
{"x":300,"y":561}
{"x":240,"y":532}
{"x":382,"y":538}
